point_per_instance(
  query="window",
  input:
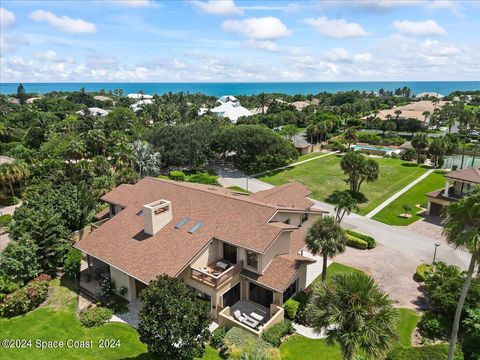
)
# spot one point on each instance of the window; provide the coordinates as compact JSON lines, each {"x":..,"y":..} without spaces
{"x":305,"y":218}
{"x":291,"y":290}
{"x":230,"y":253}
{"x":252,"y":259}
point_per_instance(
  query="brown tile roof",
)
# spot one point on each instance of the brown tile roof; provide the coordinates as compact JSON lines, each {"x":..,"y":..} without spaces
{"x":297,"y":240}
{"x":288,"y":195}
{"x":121,"y":241}
{"x":470,"y":175}
{"x":280,"y":272}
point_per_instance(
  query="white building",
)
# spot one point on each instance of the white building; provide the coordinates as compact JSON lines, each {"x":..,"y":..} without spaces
{"x":139,"y":104}
{"x":139,"y":96}
{"x":94,"y":111}
{"x":228,"y":106}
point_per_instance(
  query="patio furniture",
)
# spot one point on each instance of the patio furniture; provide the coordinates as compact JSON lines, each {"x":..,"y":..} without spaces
{"x":238,"y":315}
{"x":250,"y":322}
{"x":222,"y":265}
{"x":257,"y":317}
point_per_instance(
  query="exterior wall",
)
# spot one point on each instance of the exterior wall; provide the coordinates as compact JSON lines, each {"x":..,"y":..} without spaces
{"x":242,"y":255}
{"x":279,"y":247}
{"x":294,"y":217}
{"x":121,"y":279}
{"x":208,"y":256}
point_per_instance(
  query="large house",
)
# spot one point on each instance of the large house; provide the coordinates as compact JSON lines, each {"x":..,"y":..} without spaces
{"x":227,"y":106}
{"x":242,"y":254}
{"x":457,"y":184}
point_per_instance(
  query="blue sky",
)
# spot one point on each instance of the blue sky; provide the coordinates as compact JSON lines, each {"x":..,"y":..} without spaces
{"x":226,"y":40}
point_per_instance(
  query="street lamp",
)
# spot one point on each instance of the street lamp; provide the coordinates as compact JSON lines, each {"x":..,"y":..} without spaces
{"x":435,"y":252}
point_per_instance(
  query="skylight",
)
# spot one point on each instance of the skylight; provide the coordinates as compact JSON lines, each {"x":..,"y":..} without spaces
{"x":195,"y":227}
{"x":181,"y":223}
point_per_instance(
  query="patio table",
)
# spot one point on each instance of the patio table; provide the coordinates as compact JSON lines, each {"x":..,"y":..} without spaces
{"x":256,"y":316}
{"x":250,"y":322}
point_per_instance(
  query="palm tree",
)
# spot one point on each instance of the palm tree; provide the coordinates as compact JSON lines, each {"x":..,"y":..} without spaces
{"x":419,"y":143}
{"x":345,"y":204}
{"x":326,"y":237}
{"x":358,"y":315}
{"x":462,"y":229}
{"x":350,"y":136}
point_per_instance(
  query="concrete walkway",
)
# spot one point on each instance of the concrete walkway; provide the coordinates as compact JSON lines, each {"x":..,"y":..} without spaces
{"x":308,"y":332}
{"x":419,"y":246}
{"x":397,"y":195}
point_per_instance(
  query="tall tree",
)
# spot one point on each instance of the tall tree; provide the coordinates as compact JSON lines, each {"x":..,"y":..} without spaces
{"x":345,"y":204}
{"x":326,"y":237}
{"x":358,"y":315}
{"x":420,"y":143}
{"x":462,"y":229}
{"x":359,"y":169}
{"x":173,"y":320}
{"x":21,"y":95}
{"x":350,"y":136}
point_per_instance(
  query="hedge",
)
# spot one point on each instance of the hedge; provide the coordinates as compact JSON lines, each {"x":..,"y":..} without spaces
{"x":421,"y":272}
{"x":177,"y":175}
{"x":95,"y":316}
{"x":5,"y":220}
{"x":368,"y":239}
{"x":427,"y":352}
{"x":218,"y":335}
{"x":9,"y":201}
{"x":277,"y":332}
{"x":433,"y":326}
{"x":26,"y":298}
{"x":291,"y":308}
{"x":355,"y":242}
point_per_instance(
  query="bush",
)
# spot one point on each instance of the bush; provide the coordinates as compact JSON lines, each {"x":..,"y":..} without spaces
{"x":25,"y":299}
{"x":9,"y":201}
{"x":408,"y":154}
{"x":218,"y":335}
{"x":277,"y":332}
{"x":95,"y":316}
{"x":421,"y":272}
{"x":291,"y":308}
{"x":432,"y":326}
{"x":355,"y":242}
{"x":427,"y":352}
{"x":5,"y":220}
{"x":71,"y":267}
{"x":203,"y":178}
{"x":302,"y":298}
{"x":337,"y":146}
{"x":240,"y":344}
{"x":7,"y":286}
{"x":368,"y":239}
{"x":177,"y":175}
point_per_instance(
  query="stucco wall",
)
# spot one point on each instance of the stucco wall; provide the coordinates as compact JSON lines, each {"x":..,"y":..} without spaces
{"x":279,"y":247}
{"x":121,"y":279}
{"x":295,"y":218}
{"x":208,"y":256}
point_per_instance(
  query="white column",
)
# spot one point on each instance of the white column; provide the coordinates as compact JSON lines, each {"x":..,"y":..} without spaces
{"x":447,"y":187}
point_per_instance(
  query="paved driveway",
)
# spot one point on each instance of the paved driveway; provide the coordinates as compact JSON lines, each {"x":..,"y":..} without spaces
{"x":391,"y":269}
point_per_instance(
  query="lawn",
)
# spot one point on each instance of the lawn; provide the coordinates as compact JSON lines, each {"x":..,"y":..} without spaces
{"x":57,"y":321}
{"x":324,"y":175}
{"x":414,"y":196}
{"x":408,"y":321}
{"x":238,"y":189}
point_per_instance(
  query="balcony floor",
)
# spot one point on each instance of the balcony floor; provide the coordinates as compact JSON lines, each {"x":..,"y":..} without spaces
{"x":247,"y":307}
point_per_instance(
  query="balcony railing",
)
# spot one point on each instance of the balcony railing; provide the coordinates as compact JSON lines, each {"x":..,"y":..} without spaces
{"x":205,"y":277}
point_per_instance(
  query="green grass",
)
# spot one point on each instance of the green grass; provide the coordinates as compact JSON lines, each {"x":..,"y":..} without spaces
{"x":335,"y":268}
{"x":57,"y":321}
{"x":408,"y":321}
{"x":324,"y":175}
{"x":239,"y":189}
{"x":299,"y":347}
{"x":416,"y":195}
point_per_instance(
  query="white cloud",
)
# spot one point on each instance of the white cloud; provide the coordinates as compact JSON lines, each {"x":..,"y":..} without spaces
{"x":266,"y":45}
{"x":64,"y":23}
{"x":11,"y":43}
{"x":218,"y":7}
{"x":7,"y":18}
{"x":363,"y":57}
{"x":337,"y":28}
{"x":264,"y":28}
{"x":52,"y":56}
{"x":423,"y":28}
{"x":177,"y":64}
{"x":387,"y":4}
{"x":130,"y":3}
{"x":337,"y":54}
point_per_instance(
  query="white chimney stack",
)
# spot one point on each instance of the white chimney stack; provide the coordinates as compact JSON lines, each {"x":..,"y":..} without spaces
{"x":156,"y":215}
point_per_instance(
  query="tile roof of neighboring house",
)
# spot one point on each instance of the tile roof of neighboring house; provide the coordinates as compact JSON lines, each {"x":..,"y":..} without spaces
{"x":413,"y":110}
{"x":470,"y":175}
{"x":287,"y":195}
{"x":280,"y":272}
{"x":238,"y":219}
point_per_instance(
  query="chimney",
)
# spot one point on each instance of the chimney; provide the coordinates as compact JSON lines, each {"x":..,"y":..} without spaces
{"x":156,"y":215}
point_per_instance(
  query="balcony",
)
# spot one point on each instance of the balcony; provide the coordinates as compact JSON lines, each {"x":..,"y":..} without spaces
{"x":215,"y":274}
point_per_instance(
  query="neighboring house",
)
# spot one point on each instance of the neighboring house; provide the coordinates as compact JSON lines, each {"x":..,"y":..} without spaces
{"x":429,"y":95}
{"x":414,"y":110}
{"x":139,"y":96}
{"x":228,"y":106}
{"x":237,"y":252}
{"x":94,"y":111}
{"x":140,"y":104}
{"x":457,"y":184}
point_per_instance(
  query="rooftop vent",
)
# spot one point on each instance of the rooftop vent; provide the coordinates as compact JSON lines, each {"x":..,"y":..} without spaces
{"x":195,"y":227}
{"x":156,"y":215}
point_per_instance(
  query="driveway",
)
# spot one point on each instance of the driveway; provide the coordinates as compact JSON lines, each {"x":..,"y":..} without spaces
{"x":391,"y":269}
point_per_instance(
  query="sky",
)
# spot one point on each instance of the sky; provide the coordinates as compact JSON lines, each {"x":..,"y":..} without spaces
{"x":239,"y":41}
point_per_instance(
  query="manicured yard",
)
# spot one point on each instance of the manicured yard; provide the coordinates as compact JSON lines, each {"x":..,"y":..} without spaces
{"x":324,"y":175}
{"x":416,"y":195}
{"x":57,"y":321}
{"x":299,"y":347}
{"x":408,"y":321}
{"x":239,"y":189}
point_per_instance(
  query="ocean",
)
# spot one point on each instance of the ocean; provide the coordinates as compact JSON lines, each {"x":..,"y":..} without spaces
{"x":248,"y":88}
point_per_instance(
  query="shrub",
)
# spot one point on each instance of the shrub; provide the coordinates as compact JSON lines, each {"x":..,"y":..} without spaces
{"x":355,"y":242}
{"x":421,"y":272}
{"x":95,"y":316}
{"x":5,"y":220}
{"x":25,"y":299}
{"x":7,"y":286}
{"x":218,"y":335}
{"x":302,"y":298}
{"x":177,"y":175}
{"x":71,"y":267}
{"x":427,"y":352}
{"x":291,"y":308}
{"x":277,"y":332}
{"x":432,"y":326}
{"x":368,"y":239}
{"x":9,"y":201}
{"x":337,"y":146}
{"x":240,"y":344}
{"x":203,"y":178}
{"x":408,"y":154}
